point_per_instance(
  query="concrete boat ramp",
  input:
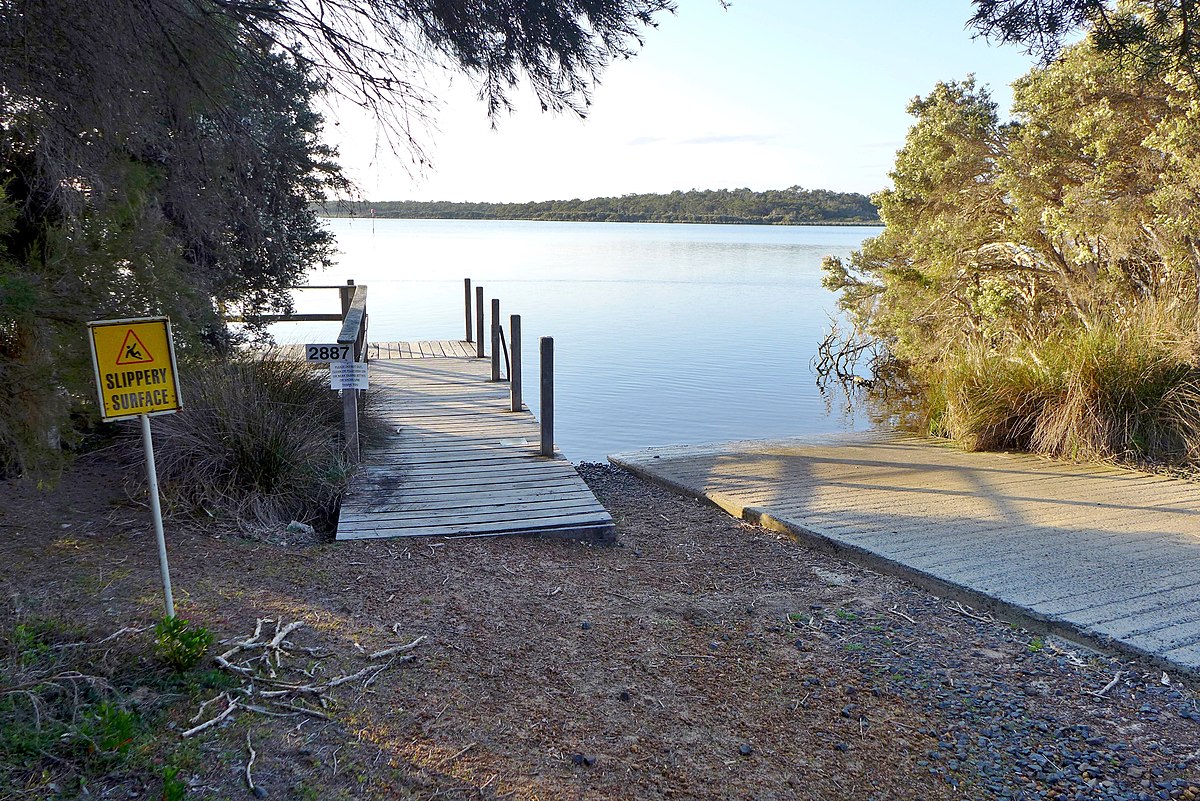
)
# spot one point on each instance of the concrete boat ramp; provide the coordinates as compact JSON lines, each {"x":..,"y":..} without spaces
{"x":1103,"y":554}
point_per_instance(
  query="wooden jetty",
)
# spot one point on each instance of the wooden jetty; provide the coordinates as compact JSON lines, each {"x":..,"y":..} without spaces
{"x":458,"y":461}
{"x":1109,"y":555}
{"x":463,"y":456}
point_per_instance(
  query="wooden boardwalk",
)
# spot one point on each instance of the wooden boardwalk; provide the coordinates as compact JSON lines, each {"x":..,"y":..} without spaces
{"x":428,"y":349}
{"x":458,"y":462}
{"x":1105,"y":554}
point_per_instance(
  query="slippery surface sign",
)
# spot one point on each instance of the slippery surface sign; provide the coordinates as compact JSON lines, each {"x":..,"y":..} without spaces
{"x":134,"y":362}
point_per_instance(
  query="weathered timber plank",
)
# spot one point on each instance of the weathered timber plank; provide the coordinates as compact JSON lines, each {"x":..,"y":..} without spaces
{"x":528,"y":526}
{"x":416,"y":487}
{"x":408,"y":515}
{"x":452,"y":496}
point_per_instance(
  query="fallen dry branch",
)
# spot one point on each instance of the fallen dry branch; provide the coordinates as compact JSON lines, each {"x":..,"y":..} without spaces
{"x":399,"y":649}
{"x":271,"y":652}
{"x":249,"y":763}
{"x":260,"y":659}
{"x":453,"y":756}
{"x":230,"y":706}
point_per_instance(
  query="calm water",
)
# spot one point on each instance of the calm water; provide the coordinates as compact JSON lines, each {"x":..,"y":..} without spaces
{"x":664,"y":334}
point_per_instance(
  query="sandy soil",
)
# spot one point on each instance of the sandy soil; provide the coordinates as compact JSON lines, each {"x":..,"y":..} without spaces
{"x":698,"y":658}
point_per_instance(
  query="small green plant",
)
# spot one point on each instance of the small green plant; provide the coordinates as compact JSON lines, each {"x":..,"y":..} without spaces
{"x":181,"y":644}
{"x":106,"y":731}
{"x":1037,"y":644}
{"x":30,"y":646}
{"x":173,"y":788}
{"x":846,"y":614}
{"x":853,"y":646}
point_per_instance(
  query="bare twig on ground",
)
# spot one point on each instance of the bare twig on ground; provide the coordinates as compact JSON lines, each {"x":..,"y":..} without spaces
{"x":955,"y":606}
{"x":259,"y":655}
{"x":1107,"y":687}
{"x":232,"y":705}
{"x":119,"y":632}
{"x":454,"y":756}
{"x":249,"y":763}
{"x":398,"y":649}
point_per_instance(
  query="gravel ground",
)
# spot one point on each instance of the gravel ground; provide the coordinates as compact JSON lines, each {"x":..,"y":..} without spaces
{"x":1009,"y":714}
{"x":698,"y":658}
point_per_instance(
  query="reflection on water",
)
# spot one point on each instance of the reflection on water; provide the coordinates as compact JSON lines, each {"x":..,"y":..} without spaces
{"x":663,"y":334}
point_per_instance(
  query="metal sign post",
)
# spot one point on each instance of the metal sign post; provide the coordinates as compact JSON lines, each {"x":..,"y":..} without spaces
{"x":156,"y":513}
{"x":134,"y":365}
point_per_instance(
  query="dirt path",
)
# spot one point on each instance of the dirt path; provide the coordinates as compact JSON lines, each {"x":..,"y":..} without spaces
{"x":700,"y":658}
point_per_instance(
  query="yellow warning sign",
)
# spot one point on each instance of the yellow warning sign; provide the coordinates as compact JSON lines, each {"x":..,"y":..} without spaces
{"x":134,"y":361}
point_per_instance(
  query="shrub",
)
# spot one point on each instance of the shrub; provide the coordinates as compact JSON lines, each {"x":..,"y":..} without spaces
{"x":258,"y":439}
{"x":173,"y":788}
{"x":1130,"y":393}
{"x":179,"y":643}
{"x":108,"y":730}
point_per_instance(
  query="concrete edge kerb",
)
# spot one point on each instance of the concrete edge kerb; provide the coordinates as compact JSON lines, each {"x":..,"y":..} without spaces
{"x":1004,"y":610}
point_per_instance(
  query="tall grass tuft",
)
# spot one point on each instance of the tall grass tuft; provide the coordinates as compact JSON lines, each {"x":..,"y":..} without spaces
{"x":259,"y":440}
{"x":1129,"y":393}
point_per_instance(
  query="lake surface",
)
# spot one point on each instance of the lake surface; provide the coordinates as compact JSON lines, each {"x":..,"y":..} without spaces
{"x":663,"y":334}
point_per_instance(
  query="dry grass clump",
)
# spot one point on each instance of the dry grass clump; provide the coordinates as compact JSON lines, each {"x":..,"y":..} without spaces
{"x":259,"y":440}
{"x":1129,"y":393}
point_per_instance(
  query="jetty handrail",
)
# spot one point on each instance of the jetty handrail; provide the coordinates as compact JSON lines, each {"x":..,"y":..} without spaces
{"x":353,"y":333}
{"x":354,"y":320}
{"x":300,"y":318}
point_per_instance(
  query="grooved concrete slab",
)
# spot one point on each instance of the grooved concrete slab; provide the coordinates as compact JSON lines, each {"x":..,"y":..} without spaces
{"x":1103,"y":553}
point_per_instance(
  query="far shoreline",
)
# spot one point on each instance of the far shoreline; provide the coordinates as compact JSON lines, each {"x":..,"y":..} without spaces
{"x":808,"y":224}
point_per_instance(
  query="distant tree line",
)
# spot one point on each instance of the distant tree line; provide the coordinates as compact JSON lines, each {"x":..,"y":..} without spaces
{"x":791,"y":206}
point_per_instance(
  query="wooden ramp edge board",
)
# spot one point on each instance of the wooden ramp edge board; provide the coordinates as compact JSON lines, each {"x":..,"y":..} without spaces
{"x":1105,"y":556}
{"x":460,"y":463}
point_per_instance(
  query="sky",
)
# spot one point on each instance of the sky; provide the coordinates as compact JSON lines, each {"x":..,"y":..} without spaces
{"x":766,"y":94}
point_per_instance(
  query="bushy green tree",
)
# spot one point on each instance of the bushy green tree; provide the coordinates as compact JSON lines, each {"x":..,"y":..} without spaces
{"x":1036,"y":284}
{"x":912,"y":284}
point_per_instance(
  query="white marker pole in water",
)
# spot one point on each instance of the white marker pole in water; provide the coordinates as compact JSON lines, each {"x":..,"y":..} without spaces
{"x":156,"y":513}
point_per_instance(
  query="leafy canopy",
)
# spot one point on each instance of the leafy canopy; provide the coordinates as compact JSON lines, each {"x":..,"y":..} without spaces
{"x":163,"y":156}
{"x":1037,"y":282}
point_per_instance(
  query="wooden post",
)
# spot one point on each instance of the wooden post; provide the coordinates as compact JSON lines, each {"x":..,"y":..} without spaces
{"x":467,"y":293}
{"x":350,"y":413}
{"x":547,"y":410}
{"x":495,"y":339}
{"x":479,"y":322}
{"x":514,"y":378}
{"x":347,"y":294}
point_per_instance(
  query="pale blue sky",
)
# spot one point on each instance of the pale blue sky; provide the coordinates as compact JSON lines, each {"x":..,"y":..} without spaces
{"x":766,"y":94}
